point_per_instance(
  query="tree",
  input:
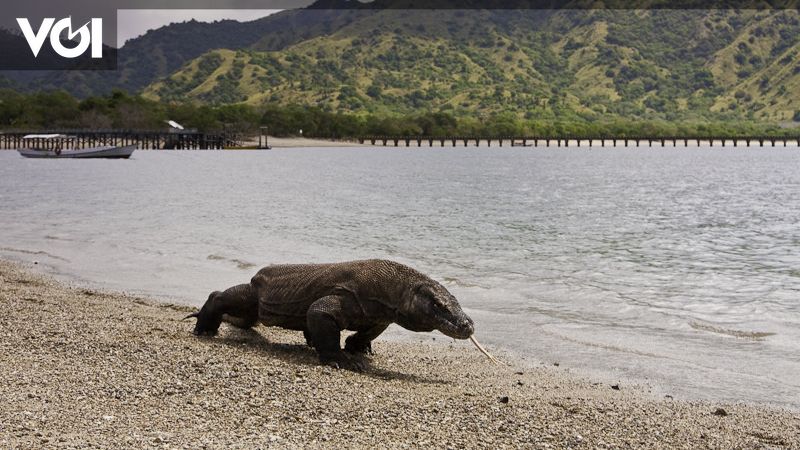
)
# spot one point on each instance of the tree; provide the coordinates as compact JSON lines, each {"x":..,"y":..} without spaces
{"x":374,"y":91}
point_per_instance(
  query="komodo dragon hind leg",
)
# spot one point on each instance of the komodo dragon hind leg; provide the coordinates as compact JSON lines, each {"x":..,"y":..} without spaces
{"x":325,"y":322}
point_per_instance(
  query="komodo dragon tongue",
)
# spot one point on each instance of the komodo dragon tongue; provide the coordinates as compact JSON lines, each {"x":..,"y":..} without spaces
{"x":483,"y":350}
{"x":196,"y":314}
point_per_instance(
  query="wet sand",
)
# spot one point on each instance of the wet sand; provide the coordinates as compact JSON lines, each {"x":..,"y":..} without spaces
{"x":83,"y":368}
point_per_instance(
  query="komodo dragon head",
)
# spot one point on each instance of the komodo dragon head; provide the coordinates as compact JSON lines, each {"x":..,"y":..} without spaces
{"x":429,"y":306}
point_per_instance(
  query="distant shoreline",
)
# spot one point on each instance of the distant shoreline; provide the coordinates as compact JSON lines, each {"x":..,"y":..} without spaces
{"x":87,"y":367}
{"x":299,"y":142}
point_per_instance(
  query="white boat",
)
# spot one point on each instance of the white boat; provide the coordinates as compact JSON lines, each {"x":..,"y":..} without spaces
{"x":63,"y":146}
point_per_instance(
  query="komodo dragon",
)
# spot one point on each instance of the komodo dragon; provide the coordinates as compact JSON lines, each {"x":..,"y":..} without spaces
{"x":323,"y":299}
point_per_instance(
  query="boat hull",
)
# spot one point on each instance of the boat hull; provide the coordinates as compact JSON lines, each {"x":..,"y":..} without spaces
{"x":108,"y":152}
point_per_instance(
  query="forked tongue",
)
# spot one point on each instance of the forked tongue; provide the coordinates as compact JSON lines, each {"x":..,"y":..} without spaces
{"x":483,"y":350}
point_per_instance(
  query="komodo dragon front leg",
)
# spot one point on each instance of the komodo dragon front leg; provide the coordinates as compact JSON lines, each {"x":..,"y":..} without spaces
{"x":325,"y":321}
{"x":361,"y":342}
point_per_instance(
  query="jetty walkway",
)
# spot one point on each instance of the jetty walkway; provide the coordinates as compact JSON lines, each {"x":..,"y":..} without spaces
{"x":194,"y":140}
{"x":143,"y":138}
{"x":589,"y":141}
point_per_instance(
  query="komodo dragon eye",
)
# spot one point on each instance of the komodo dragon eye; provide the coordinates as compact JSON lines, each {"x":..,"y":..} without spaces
{"x":436,"y":300}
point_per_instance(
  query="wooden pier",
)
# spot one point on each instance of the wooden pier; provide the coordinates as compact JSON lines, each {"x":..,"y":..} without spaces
{"x":193,"y":140}
{"x":588,"y":141}
{"x":181,"y":140}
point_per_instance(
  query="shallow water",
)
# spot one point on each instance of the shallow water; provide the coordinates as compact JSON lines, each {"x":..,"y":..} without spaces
{"x":675,"y":267}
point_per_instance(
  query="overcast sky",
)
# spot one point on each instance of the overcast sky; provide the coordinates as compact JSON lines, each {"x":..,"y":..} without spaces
{"x":137,"y":16}
{"x":132,"y":23}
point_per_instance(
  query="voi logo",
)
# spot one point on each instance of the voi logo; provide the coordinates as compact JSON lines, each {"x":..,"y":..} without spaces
{"x":91,"y":34}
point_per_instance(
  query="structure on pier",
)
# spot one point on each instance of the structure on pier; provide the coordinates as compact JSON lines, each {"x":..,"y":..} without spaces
{"x":172,"y":139}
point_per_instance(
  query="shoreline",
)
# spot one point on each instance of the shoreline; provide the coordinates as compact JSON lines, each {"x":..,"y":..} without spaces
{"x":301,"y":142}
{"x":88,"y":367}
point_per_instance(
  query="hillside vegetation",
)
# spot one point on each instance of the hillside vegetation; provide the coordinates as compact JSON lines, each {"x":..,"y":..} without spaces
{"x":692,"y":65}
{"x":59,"y":110}
{"x":509,"y":71}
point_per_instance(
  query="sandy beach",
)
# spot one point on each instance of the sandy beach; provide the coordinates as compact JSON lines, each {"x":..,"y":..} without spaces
{"x":83,"y":368}
{"x":300,"y":142}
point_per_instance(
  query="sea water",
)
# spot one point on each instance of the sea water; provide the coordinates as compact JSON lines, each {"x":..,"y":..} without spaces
{"x":675,"y":268}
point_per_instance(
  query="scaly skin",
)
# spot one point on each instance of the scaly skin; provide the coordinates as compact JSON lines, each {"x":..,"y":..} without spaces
{"x":323,"y":299}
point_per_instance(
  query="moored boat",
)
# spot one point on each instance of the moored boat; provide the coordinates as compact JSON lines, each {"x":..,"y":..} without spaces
{"x":63,"y":146}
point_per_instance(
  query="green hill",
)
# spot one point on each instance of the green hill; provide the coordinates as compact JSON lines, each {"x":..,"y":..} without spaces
{"x":160,"y":52}
{"x":569,"y":64}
